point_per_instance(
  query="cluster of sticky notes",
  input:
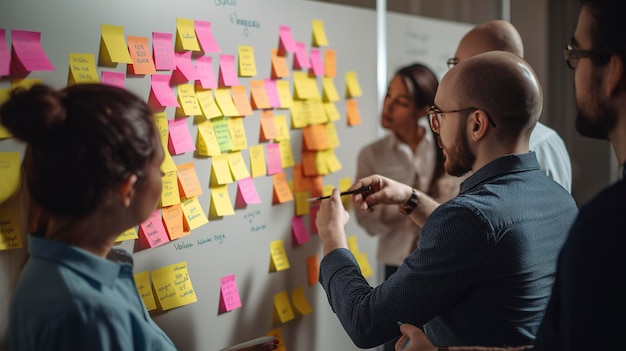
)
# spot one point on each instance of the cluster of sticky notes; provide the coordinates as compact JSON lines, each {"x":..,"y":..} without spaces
{"x":284,"y":308}
{"x":361,"y":257}
{"x":171,"y":285}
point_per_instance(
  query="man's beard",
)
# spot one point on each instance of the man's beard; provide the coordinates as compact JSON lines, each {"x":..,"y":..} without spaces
{"x":595,"y":119}
{"x":459,"y":158}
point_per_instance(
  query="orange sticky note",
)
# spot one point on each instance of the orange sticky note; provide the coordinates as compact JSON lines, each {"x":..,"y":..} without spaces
{"x":240,"y":98}
{"x":173,"y":221}
{"x":282,"y":193}
{"x":313,"y":269}
{"x":330,"y":63}
{"x":315,"y":137}
{"x":308,"y":163}
{"x":280,"y":69}
{"x":188,"y":182}
{"x":268,"y":125}
{"x":258,"y":95}
{"x":140,"y":55}
{"x":352,"y":112}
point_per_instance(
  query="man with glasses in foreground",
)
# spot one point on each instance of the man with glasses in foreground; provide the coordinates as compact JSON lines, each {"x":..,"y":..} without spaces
{"x":587,"y":307}
{"x":484,"y":266}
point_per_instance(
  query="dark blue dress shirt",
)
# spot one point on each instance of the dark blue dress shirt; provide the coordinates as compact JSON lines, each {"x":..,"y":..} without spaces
{"x":482,"y":272}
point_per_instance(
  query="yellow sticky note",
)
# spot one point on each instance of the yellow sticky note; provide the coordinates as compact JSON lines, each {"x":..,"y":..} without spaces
{"x":194,"y":214}
{"x":168,"y":164}
{"x":247,"y":67}
{"x":328,"y":189}
{"x":286,"y":156}
{"x":331,"y":135}
{"x":282,"y":127}
{"x":187,"y":100}
{"x":300,"y":301}
{"x":303,"y":207}
{"x":25,"y":83}
{"x":206,"y":141}
{"x":284,"y":93}
{"x":332,"y":162}
{"x":331,"y":111}
{"x":10,"y":235}
{"x":353,"y":89}
{"x":225,"y":102}
{"x":329,"y":90}
{"x":220,"y":202}
{"x":169,"y":191}
{"x":237,"y":166}
{"x":298,"y":115}
{"x":315,"y":111}
{"x":128,"y":234}
{"x":364,"y":264}
{"x":82,"y":69}
{"x":222,"y":134}
{"x":113,"y":47}
{"x":186,"y":39}
{"x":282,"y":307}
{"x":220,"y":171}
{"x":277,"y":334}
{"x":4,"y":96}
{"x":304,"y":86}
{"x":188,"y":181}
{"x":345,"y":184}
{"x":353,"y":244}
{"x":10,"y":166}
{"x":258,"y":167}
{"x":279,"y":261}
{"x":173,"y":286}
{"x":144,"y":287}
{"x":207,"y":103}
{"x":237,"y":133}
{"x":319,"y":34}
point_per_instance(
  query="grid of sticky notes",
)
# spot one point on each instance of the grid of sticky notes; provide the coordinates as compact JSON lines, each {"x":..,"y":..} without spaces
{"x":210,"y":106}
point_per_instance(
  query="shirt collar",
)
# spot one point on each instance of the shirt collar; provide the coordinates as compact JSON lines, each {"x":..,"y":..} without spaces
{"x":85,"y":263}
{"x":505,"y":164}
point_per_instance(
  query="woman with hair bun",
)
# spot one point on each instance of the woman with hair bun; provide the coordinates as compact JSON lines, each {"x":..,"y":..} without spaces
{"x":92,"y":169}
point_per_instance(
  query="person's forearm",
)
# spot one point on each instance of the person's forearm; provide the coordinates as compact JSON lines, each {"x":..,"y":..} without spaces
{"x":424,"y":208}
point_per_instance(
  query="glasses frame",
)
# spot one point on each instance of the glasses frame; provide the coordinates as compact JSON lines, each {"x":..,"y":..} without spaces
{"x":572,"y":55}
{"x":434,"y":114}
{"x":451,"y":62}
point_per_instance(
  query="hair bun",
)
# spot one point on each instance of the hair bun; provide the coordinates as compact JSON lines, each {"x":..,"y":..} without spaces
{"x":33,"y":115}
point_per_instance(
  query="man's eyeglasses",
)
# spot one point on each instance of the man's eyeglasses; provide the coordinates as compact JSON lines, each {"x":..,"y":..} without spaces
{"x":572,"y":55}
{"x":434,"y":115}
{"x":453,"y":61}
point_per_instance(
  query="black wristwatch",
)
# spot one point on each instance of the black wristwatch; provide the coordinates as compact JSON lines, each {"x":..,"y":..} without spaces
{"x":411,"y":203}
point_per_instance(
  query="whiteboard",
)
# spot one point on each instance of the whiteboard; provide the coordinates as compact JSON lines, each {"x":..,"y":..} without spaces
{"x":239,"y":244}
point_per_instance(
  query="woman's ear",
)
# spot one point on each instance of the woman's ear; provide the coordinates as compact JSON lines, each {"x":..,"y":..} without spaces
{"x":127,"y":189}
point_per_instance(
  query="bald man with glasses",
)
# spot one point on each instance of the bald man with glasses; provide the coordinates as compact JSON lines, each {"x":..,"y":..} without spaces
{"x":485,"y":262}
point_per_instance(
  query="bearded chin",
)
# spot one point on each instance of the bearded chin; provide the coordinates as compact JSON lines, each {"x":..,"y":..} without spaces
{"x":460,"y":158}
{"x":597,"y":126}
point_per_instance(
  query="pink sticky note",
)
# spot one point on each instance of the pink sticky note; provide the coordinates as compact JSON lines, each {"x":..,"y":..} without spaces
{"x":298,"y":229}
{"x":184,"y":66}
{"x":5,"y":55}
{"x":204,"y":66}
{"x":272,"y":92}
{"x":228,"y":73}
{"x":153,"y":231}
{"x":115,"y":79}
{"x":161,"y":90}
{"x":28,"y":55}
{"x":229,"y":294}
{"x":272,"y":155}
{"x":205,"y":37}
{"x":317,"y":65}
{"x":180,"y":139}
{"x":246,"y":192}
{"x":300,"y":59}
{"x":285,"y":41}
{"x":312,"y":217}
{"x":163,"y":51}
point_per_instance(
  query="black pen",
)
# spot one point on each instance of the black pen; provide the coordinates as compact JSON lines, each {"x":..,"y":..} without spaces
{"x":351,"y":192}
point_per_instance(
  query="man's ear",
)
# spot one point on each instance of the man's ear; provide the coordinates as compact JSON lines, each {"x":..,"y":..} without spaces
{"x":615,"y":80}
{"x":479,"y":124}
{"x":127,"y":189}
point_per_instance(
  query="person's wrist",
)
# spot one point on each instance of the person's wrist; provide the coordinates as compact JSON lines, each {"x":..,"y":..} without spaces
{"x":411,"y":203}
